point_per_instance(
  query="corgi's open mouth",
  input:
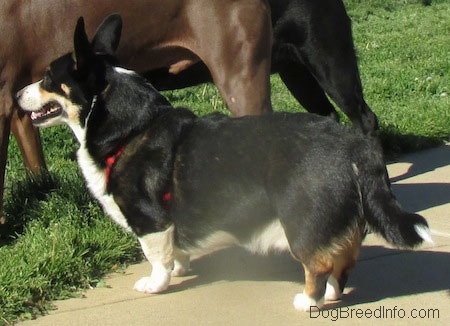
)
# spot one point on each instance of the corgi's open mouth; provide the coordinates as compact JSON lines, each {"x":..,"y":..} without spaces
{"x":49,"y":110}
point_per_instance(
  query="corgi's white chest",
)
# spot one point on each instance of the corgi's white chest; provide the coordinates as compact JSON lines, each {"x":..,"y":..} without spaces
{"x":96,"y":182}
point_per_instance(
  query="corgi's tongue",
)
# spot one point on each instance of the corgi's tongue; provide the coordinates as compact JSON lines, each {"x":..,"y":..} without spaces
{"x":48,"y":110}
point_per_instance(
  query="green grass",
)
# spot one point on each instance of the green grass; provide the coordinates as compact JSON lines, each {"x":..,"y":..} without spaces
{"x":57,"y":241}
{"x":404,"y":56}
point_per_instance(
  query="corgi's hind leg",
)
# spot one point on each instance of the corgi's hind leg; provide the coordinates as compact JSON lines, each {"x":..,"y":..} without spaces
{"x":317,"y":271}
{"x":158,"y":248}
{"x":338,"y":278}
{"x":326,"y":272}
{"x":344,"y":259}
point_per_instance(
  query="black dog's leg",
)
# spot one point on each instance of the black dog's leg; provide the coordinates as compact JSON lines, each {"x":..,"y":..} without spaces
{"x":331,"y":58}
{"x":342,"y":83}
{"x":316,"y":37}
{"x":335,"y":74}
{"x":306,"y":90}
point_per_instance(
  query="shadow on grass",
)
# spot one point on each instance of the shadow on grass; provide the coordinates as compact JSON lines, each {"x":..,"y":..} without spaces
{"x":396,"y":144}
{"x":23,"y":204}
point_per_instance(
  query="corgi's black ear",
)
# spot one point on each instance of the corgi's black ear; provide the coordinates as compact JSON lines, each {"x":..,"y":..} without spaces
{"x":82,"y":48}
{"x":107,"y":37}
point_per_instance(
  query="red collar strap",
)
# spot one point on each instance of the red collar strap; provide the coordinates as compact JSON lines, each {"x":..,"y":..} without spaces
{"x":166,"y":198}
{"x":111,"y":160}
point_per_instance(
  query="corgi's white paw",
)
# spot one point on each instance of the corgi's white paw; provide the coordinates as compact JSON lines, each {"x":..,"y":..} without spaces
{"x":181,"y":266}
{"x":148,"y":285}
{"x":332,"y":292}
{"x":303,"y":302}
{"x":157,"y":282}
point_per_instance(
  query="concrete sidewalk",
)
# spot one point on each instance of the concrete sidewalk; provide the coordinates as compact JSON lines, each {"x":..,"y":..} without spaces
{"x":235,"y":288}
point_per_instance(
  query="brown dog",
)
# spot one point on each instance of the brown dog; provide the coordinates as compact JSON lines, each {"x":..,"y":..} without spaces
{"x":232,"y":38}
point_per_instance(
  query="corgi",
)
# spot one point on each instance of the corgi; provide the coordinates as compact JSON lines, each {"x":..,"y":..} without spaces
{"x":187,"y":185}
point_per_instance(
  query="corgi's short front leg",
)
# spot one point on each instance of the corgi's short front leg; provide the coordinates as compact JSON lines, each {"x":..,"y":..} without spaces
{"x":158,"y":248}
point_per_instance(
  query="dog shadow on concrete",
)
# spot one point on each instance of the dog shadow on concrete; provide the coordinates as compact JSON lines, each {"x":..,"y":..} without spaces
{"x":388,"y":273}
{"x":380,"y":273}
{"x":425,"y":161}
{"x":420,"y":196}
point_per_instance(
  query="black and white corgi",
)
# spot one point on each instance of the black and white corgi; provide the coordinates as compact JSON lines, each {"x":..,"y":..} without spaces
{"x":188,"y":185}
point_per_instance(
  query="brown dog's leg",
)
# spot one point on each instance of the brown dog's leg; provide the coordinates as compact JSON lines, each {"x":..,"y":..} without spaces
{"x":6,"y":109}
{"x":29,"y":141}
{"x":240,"y":63}
{"x":4,"y":141}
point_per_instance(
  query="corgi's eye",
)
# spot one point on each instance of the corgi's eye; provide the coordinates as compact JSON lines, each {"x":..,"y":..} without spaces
{"x":46,"y":81}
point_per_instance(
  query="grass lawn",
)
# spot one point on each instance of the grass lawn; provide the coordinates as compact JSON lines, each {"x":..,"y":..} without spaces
{"x":57,"y":240}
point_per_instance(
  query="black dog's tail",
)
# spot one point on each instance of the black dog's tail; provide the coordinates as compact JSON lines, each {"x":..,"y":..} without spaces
{"x":382,"y":210}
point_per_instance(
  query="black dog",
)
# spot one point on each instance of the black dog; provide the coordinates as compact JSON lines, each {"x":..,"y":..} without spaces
{"x":314,"y":54}
{"x":188,"y":186}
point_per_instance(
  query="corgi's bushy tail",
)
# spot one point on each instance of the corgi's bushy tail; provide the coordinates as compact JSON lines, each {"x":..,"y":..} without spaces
{"x":383,"y":212}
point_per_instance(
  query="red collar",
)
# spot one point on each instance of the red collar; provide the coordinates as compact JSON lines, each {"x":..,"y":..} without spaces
{"x":167,"y":198}
{"x":111,"y":160}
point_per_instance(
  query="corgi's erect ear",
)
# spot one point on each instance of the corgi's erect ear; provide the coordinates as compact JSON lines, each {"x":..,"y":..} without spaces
{"x":83,"y":53}
{"x":107,"y":37}
{"x":106,"y":41}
